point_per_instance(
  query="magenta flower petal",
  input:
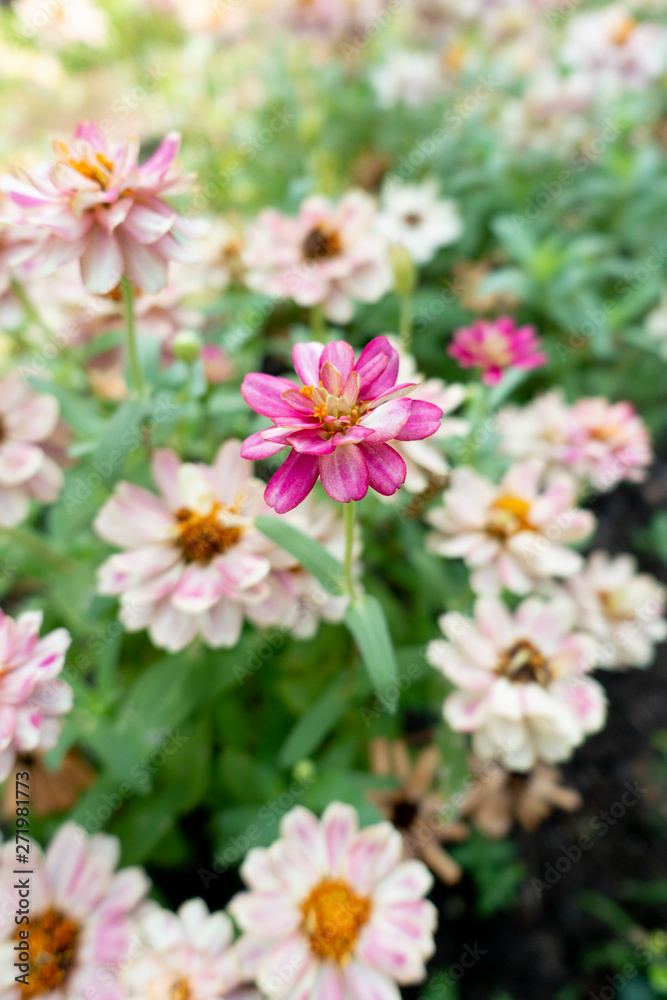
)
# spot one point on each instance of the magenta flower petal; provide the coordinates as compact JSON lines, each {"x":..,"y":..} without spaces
{"x":374,"y":381}
{"x":345,"y":474}
{"x":292,"y":482}
{"x":264,"y":394}
{"x":331,"y":379}
{"x":162,"y":158}
{"x":386,"y":468}
{"x":311,"y":442}
{"x":255,"y":447}
{"x":306,"y":361}
{"x":423,"y":421}
{"x":299,"y":402}
{"x":341,"y":355}
{"x":388,"y":420}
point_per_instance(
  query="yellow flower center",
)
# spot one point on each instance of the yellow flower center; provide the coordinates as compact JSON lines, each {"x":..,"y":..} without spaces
{"x":204,"y":536}
{"x":508,"y":515}
{"x":623,"y":31}
{"x":95,"y":166}
{"x":180,"y":990}
{"x":321,"y":243}
{"x":524,"y":664}
{"x":52,"y":949}
{"x":332,"y":917}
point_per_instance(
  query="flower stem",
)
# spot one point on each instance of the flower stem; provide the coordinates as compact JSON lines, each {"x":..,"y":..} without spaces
{"x":39,"y":548}
{"x":348,"y":580}
{"x":317,"y":323}
{"x":132,"y":356}
{"x":31,"y":310}
{"x":405,"y":326}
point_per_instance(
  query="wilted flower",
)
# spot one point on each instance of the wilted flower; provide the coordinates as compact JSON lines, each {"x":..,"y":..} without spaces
{"x":522,"y":690}
{"x":497,"y":798}
{"x":187,"y":954}
{"x":81,"y":913}
{"x":495,"y":345}
{"x":335,"y":906}
{"x":595,"y":440}
{"x":414,"y":217}
{"x":415,"y":808}
{"x":337,"y":423}
{"x":618,"y":51}
{"x":32,"y":696}
{"x":513,"y":534}
{"x":328,"y":255}
{"x":51,"y":791}
{"x":623,"y":608}
{"x":103,"y":209}
{"x":27,"y":421}
{"x":412,"y":78}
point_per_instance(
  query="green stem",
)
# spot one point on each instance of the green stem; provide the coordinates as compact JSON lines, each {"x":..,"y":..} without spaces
{"x":31,"y":310}
{"x":318,"y":323}
{"x":405,"y":325}
{"x":131,"y":333}
{"x":348,"y":579}
{"x":40,"y":548}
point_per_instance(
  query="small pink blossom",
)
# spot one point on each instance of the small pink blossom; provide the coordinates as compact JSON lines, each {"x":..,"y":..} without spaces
{"x":328,"y":255}
{"x":494,"y":346}
{"x":595,"y":440}
{"x":101,"y":208}
{"x":623,"y":608}
{"x":28,"y":420}
{"x":514,"y":534}
{"x":337,"y":423}
{"x":32,"y":696}
{"x":81,"y":917}
{"x":185,"y":954}
{"x":336,"y":907}
{"x":522,"y":690}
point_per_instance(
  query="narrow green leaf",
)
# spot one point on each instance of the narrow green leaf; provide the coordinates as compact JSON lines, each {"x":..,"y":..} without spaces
{"x":367,"y":622}
{"x":312,"y":556}
{"x":317,"y":722}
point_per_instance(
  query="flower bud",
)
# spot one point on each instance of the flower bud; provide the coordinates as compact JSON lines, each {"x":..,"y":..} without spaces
{"x":405,"y":275}
{"x":187,"y":345}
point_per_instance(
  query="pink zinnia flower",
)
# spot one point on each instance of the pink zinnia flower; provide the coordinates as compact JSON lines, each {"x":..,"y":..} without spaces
{"x":595,"y":440}
{"x":333,"y":911}
{"x":81,"y":913}
{"x":623,"y":608}
{"x":328,"y":255}
{"x":494,"y":345}
{"x":186,"y":955}
{"x":102,"y":208}
{"x":514,"y":534}
{"x":28,"y":420}
{"x":522,"y":692}
{"x":32,"y":696}
{"x":337,"y":423}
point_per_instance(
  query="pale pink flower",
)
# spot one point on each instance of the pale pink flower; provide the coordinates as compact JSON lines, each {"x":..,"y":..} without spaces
{"x":19,"y":242}
{"x":328,"y":17}
{"x":62,"y":23}
{"x":328,"y":255}
{"x":81,"y":913}
{"x":619,"y":52}
{"x":414,"y":217}
{"x":425,"y":460}
{"x":623,"y":608}
{"x":100,"y":207}
{"x":32,"y":696}
{"x":495,"y":345}
{"x":337,"y":423}
{"x":522,"y":690}
{"x":595,"y":440}
{"x":27,"y":421}
{"x":333,"y":911}
{"x":404,"y":77}
{"x":513,"y":534}
{"x":187,"y":954}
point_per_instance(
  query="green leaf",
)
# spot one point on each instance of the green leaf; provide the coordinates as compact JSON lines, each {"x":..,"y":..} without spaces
{"x":317,"y":722}
{"x":312,"y":556}
{"x":367,"y":622}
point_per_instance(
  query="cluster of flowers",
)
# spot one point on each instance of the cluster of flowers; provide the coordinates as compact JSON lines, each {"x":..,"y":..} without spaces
{"x":330,"y":910}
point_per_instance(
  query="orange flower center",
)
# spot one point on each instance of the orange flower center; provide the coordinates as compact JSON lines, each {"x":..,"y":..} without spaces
{"x":509,"y":515}
{"x":204,"y":536}
{"x":524,"y":664}
{"x":623,"y":31}
{"x":321,"y":243}
{"x":180,"y":990}
{"x":53,"y":942}
{"x":332,"y":917}
{"x":95,"y":166}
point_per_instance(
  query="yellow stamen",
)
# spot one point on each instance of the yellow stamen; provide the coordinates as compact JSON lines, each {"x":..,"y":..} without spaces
{"x":333,"y":915}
